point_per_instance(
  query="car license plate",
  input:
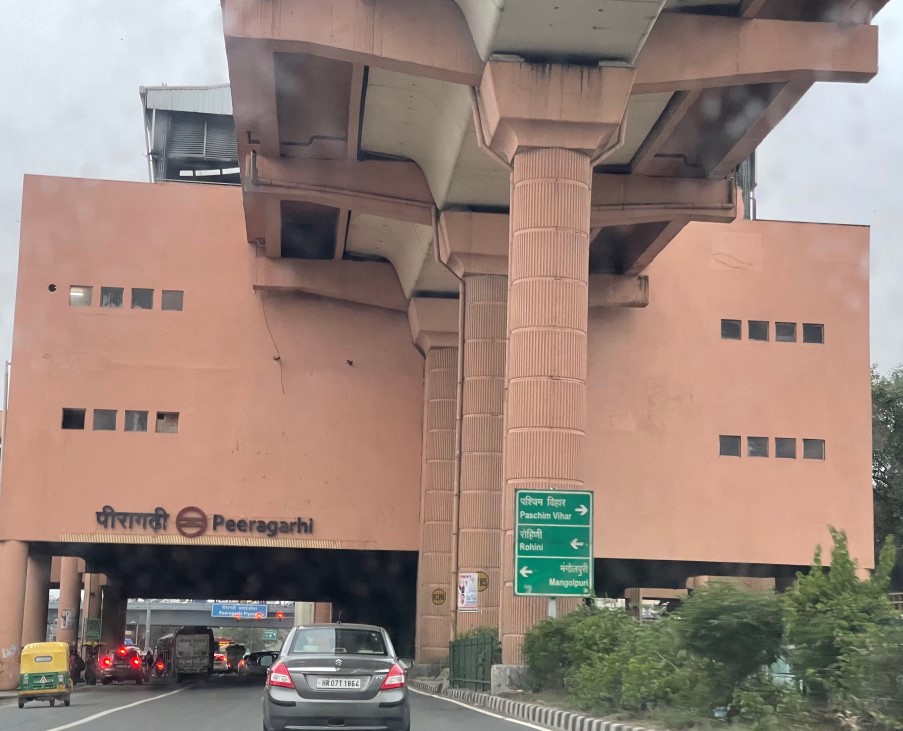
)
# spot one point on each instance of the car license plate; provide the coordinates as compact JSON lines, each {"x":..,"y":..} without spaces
{"x":338,"y":683}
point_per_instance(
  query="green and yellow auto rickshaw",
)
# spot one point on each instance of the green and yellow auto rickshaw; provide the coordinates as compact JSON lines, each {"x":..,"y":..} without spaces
{"x":44,"y":673}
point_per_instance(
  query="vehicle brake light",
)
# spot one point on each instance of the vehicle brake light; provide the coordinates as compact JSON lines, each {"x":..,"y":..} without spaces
{"x":107,"y":662}
{"x":136,"y":661}
{"x":395,"y":678}
{"x":279,"y":676}
{"x":160,"y":666}
{"x":122,"y":651}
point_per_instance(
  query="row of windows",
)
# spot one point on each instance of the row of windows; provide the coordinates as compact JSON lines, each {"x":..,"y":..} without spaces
{"x":105,"y":420}
{"x":784,"y":447}
{"x":114,"y":297}
{"x":784,"y":332}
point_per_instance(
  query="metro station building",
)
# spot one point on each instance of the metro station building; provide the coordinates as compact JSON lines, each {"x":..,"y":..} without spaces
{"x":476,"y":247}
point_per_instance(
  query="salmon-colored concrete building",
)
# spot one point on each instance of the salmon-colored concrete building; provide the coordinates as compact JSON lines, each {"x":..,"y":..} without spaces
{"x":474,"y":249}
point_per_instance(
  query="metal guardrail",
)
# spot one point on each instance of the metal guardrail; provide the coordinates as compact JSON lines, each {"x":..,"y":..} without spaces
{"x":470,"y":662}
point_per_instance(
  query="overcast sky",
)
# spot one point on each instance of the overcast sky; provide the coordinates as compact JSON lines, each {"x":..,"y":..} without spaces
{"x":70,"y":72}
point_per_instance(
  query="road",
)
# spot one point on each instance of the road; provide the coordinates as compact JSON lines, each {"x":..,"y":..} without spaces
{"x":224,"y":704}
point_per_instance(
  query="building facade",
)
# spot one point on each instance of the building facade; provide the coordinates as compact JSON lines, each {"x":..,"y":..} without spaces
{"x":327,"y":384}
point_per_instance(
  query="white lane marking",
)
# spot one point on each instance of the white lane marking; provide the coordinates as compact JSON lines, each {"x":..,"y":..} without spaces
{"x":114,"y":710}
{"x":471,"y":708}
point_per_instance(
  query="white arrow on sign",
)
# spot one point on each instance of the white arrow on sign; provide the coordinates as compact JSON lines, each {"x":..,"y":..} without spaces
{"x":525,"y":572}
{"x":582,"y":509}
{"x":575,"y":544}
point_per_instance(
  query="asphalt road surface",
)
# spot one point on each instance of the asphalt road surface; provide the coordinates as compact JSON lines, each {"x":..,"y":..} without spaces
{"x":223,"y":704}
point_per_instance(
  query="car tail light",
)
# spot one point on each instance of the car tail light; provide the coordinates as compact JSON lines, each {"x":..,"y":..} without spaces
{"x":395,"y":678}
{"x":160,"y":666}
{"x":136,"y":661}
{"x":107,"y":662}
{"x":279,"y":676}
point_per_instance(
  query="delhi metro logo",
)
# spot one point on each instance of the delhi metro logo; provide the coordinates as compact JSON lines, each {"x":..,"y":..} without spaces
{"x":191,"y":522}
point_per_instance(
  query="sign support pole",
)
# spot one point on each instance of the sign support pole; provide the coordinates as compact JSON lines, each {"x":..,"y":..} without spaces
{"x":553,"y":607}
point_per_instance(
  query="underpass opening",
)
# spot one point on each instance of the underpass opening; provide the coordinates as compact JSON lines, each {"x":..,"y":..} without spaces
{"x":370,"y":587}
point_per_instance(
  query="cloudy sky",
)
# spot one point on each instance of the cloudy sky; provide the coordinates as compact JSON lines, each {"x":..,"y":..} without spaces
{"x":71,"y":71}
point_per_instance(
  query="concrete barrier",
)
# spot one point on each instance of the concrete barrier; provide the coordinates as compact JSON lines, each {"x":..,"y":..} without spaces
{"x":554,"y":718}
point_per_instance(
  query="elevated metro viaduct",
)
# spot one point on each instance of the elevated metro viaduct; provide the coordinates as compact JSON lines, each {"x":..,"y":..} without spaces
{"x":492,"y":245}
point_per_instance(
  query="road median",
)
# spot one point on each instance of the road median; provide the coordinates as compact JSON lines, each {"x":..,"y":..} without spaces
{"x":536,"y":713}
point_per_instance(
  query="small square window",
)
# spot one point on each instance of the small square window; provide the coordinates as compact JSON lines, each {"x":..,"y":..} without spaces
{"x":730,"y":329}
{"x":167,"y":422}
{"x":135,"y":420}
{"x":758,"y":329}
{"x":172,"y":299}
{"x":80,"y":296}
{"x":785,"y":332}
{"x":104,"y":420}
{"x":813,"y":448}
{"x":728,"y":446}
{"x":142,"y":299}
{"x":757,"y":446}
{"x":785,"y":448}
{"x":813,"y":333}
{"x":111,"y":296}
{"x":73,"y":419}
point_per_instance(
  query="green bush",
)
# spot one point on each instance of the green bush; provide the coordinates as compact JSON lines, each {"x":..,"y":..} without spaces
{"x":871,"y":677}
{"x":763,"y":705}
{"x":738,"y":629}
{"x":601,"y":648}
{"x":661,"y":674}
{"x":828,"y":609}
{"x":547,"y":649}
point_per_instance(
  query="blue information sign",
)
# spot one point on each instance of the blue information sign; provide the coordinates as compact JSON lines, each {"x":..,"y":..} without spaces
{"x":244,"y":611}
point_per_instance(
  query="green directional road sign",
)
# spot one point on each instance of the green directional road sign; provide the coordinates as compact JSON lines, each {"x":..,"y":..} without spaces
{"x":553,"y":543}
{"x":269,"y":635}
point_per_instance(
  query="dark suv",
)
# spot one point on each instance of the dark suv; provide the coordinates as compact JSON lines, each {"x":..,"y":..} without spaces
{"x":125,"y":663}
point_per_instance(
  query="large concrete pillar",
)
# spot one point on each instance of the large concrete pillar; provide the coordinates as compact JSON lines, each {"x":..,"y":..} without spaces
{"x":112,"y":615}
{"x":546,"y":383}
{"x":13,"y":572}
{"x":434,"y":325}
{"x":68,"y":614}
{"x":323,"y":612}
{"x":37,"y":598}
{"x":549,"y":122}
{"x":482,"y":440}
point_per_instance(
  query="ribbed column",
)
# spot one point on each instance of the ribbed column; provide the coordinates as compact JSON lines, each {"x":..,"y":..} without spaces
{"x":37,"y":598}
{"x":482,"y":441}
{"x":67,"y":616}
{"x":548,"y":267}
{"x":438,"y":485}
{"x":13,"y":569}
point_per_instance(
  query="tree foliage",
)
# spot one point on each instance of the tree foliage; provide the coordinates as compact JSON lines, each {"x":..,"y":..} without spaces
{"x":826,"y":608}
{"x":887,"y":460}
{"x":739,"y":629}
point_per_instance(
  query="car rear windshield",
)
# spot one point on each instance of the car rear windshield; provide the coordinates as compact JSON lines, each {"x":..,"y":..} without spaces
{"x":332,"y":641}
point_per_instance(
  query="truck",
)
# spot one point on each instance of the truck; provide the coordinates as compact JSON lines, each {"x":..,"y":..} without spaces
{"x":187,"y":652}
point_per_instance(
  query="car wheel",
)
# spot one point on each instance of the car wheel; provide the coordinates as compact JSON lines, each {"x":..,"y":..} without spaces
{"x":52,"y":702}
{"x":139,"y":681}
{"x":105,"y":681}
{"x":21,"y":704}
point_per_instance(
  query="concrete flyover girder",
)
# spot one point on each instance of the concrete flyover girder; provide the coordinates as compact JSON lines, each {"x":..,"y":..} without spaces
{"x":391,"y":189}
{"x":252,"y":70}
{"x":364,"y":282}
{"x":621,"y":200}
{"x":389,"y":34}
{"x":686,"y":52}
{"x":433,"y":322}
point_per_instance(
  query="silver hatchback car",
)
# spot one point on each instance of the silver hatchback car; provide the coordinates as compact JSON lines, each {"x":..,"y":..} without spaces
{"x":337,"y":676}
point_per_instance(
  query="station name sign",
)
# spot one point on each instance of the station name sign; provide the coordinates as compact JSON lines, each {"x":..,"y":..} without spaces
{"x":192,"y":522}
